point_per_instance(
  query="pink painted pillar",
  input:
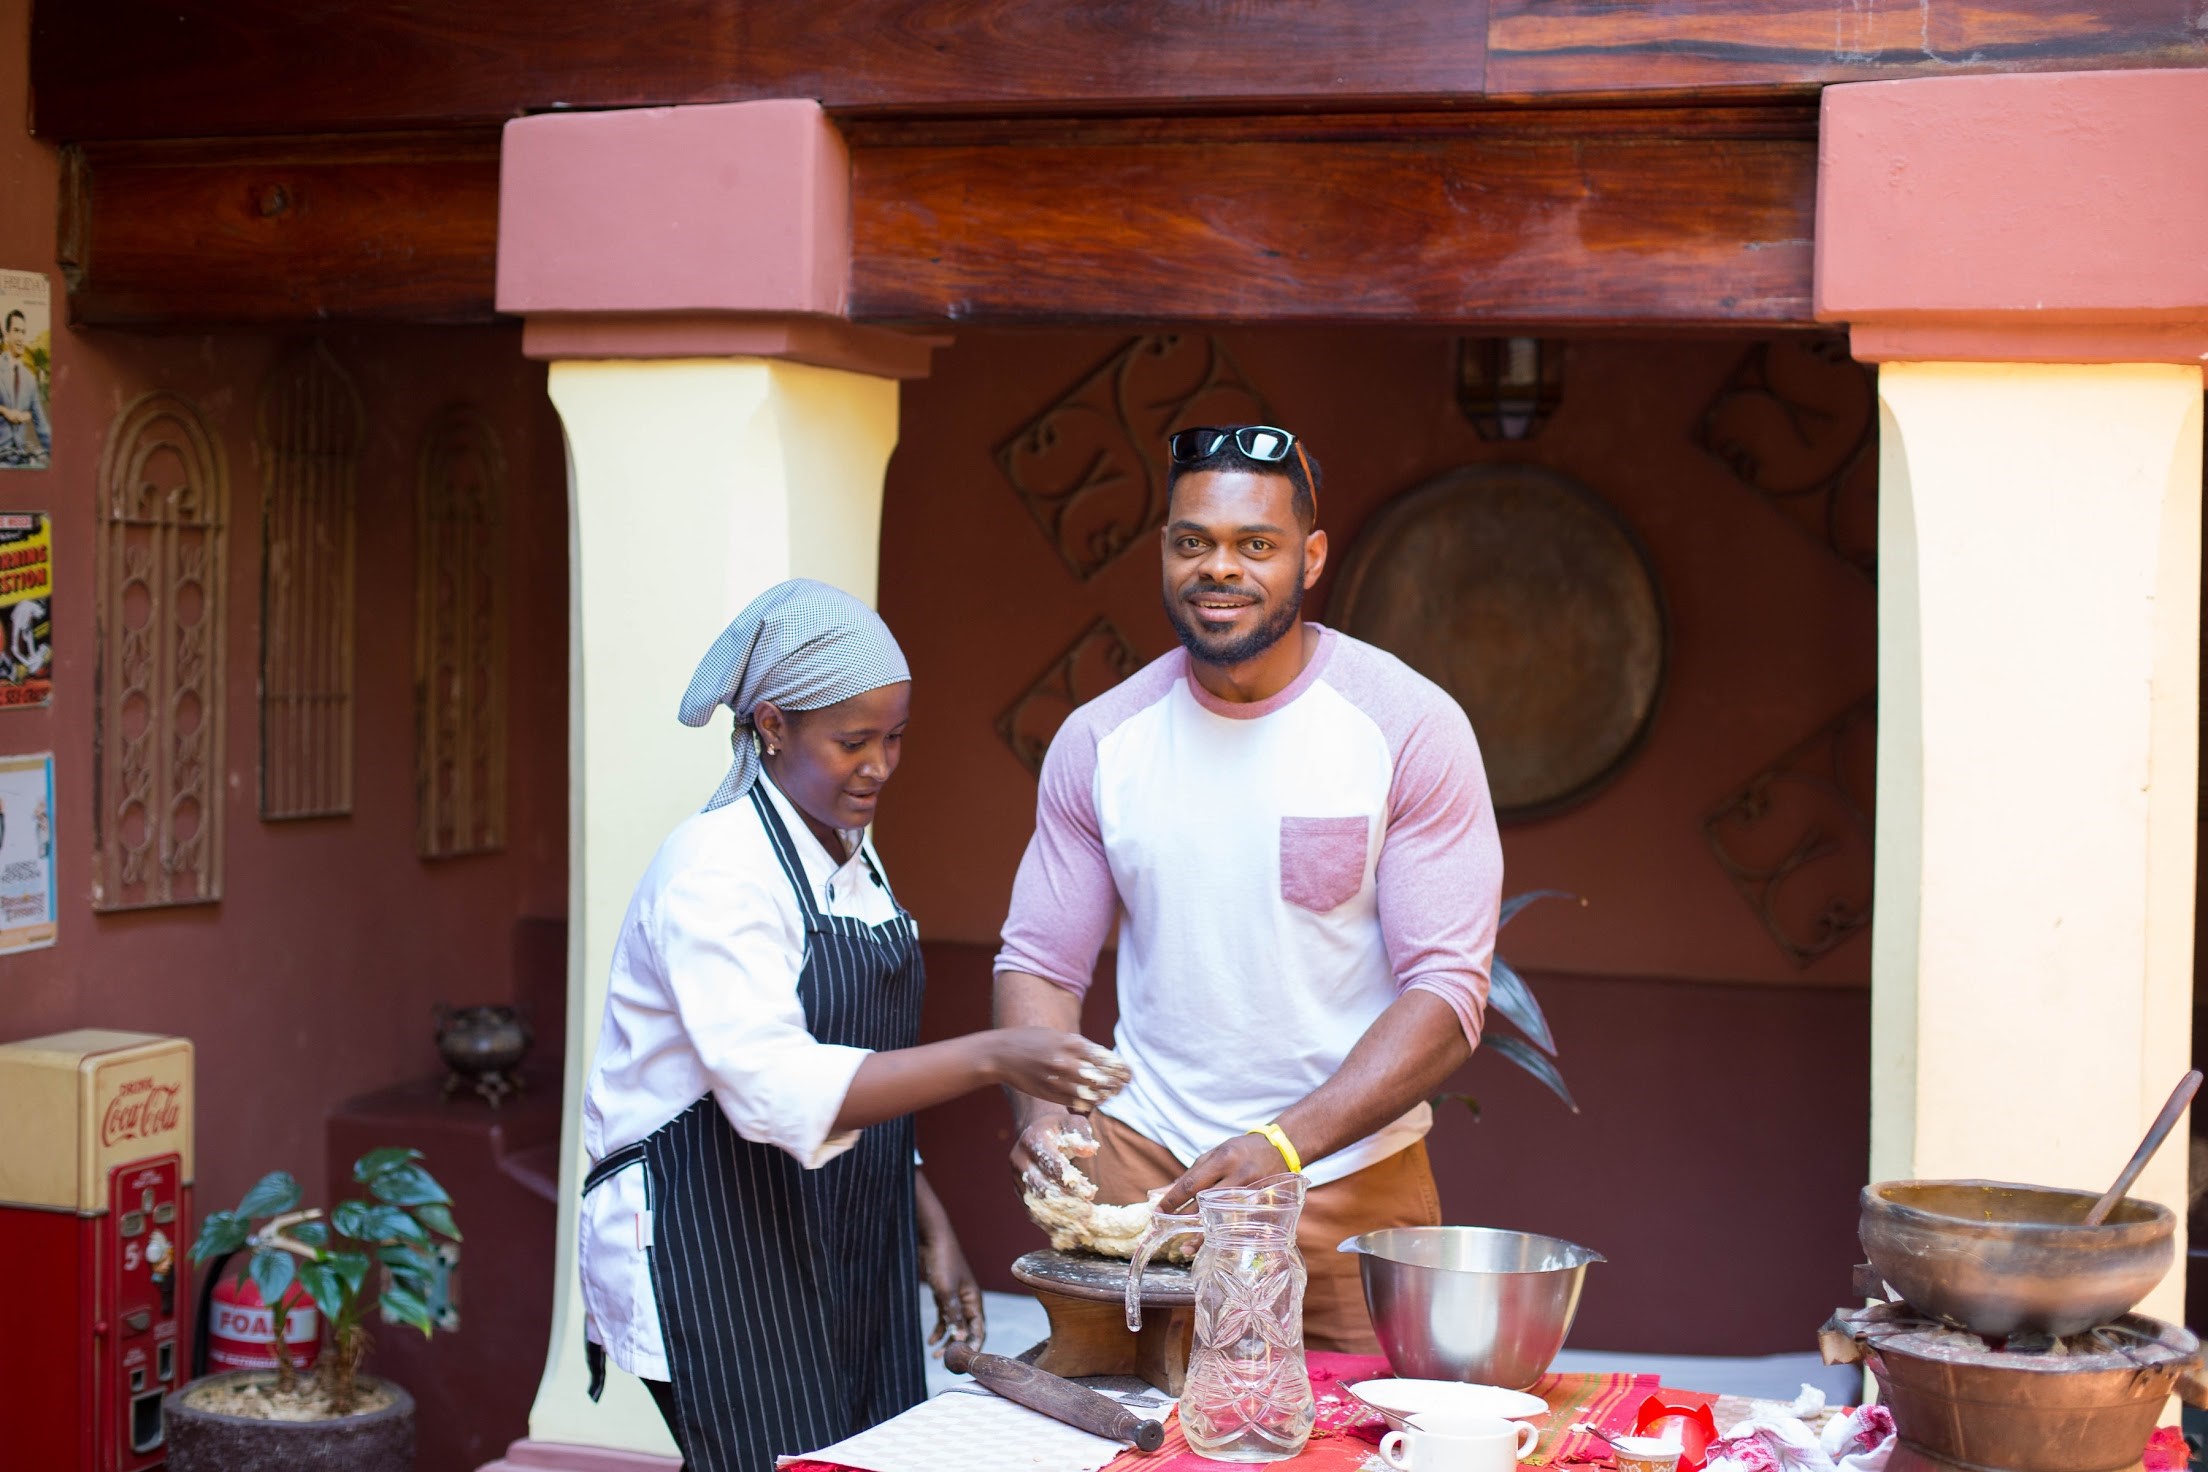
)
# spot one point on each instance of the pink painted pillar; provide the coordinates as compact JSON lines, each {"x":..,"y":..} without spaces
{"x":685,"y":270}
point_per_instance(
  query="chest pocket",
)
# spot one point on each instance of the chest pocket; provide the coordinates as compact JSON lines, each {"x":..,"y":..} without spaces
{"x":1322,"y":861}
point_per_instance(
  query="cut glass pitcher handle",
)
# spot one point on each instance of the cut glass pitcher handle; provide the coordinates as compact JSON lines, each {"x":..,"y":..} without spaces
{"x":1164,"y":1227}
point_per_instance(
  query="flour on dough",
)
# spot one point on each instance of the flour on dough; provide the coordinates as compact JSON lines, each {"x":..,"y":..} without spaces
{"x":1077,"y":1222}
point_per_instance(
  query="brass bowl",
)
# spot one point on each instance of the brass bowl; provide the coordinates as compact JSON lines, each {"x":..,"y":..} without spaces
{"x":1999,"y":1259}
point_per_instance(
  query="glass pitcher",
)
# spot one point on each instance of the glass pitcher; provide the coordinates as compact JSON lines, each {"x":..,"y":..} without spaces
{"x":1247,"y":1397}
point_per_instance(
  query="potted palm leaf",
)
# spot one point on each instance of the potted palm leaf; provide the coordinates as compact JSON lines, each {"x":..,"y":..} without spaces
{"x":1508,"y":995}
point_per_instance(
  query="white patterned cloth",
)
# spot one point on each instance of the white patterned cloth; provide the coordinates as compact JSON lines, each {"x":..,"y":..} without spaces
{"x":801,"y":645}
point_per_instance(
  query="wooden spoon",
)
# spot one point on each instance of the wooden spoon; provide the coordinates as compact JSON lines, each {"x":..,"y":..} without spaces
{"x":2157,"y":1132}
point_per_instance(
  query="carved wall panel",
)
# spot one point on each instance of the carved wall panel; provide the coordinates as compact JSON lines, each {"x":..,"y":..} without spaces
{"x":1795,"y":839}
{"x":1798,"y":423}
{"x":158,"y":774}
{"x":460,"y":638}
{"x":313,"y":429}
{"x":1098,"y":660}
{"x":1091,"y":467}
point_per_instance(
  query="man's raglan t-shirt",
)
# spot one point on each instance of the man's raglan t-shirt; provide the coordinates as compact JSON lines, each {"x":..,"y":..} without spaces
{"x":1281,"y":870}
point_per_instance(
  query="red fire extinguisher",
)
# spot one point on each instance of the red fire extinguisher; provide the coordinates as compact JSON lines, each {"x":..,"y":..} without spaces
{"x":241,"y":1331}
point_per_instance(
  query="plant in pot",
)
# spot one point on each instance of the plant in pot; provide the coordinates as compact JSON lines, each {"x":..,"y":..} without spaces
{"x":361,"y":1256}
{"x":1509,"y":996}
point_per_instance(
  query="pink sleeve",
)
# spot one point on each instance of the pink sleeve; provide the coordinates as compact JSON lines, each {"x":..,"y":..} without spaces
{"x":1440,"y":875}
{"x":1063,"y":900}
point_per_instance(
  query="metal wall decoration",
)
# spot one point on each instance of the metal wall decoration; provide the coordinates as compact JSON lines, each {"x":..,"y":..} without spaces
{"x":1795,"y":839}
{"x":158,"y":727}
{"x":1797,"y":422}
{"x":1090,"y":467}
{"x":460,"y":638}
{"x":1097,"y":661}
{"x":313,"y":430}
{"x":1528,"y":599}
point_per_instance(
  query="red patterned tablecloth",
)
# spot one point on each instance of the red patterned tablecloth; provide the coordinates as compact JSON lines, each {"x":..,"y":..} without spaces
{"x":1347,"y":1433}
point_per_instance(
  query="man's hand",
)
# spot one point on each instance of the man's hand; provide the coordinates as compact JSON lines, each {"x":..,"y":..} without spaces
{"x":15,"y":416}
{"x":1242,"y":1161}
{"x":1038,"y":1157}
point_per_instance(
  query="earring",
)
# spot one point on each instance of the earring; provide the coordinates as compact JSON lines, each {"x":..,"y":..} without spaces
{"x":773,"y":750}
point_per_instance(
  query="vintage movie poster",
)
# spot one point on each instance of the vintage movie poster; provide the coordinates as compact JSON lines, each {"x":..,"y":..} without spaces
{"x":26,"y":371}
{"x":26,"y":608}
{"x":29,"y":912}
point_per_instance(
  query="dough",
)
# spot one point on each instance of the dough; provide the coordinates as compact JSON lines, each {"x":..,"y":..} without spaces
{"x":1077,"y":1222}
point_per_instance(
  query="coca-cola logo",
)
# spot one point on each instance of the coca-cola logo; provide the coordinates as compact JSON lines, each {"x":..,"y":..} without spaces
{"x":142,"y":1109}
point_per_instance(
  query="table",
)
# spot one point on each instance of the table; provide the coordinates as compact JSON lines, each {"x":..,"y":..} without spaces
{"x":1347,"y":1433}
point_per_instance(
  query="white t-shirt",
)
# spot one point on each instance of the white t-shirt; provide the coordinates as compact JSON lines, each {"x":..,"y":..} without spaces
{"x":1285,"y":869}
{"x":703,"y":997}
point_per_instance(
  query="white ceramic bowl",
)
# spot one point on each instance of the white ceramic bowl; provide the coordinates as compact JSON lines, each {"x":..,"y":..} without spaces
{"x":1398,"y":1400}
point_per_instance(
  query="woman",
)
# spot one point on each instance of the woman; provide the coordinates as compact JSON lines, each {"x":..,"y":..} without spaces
{"x":754,"y":1217}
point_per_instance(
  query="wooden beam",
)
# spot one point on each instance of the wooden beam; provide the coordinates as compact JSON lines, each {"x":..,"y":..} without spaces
{"x":1546,"y":48}
{"x":191,"y":68}
{"x":248,"y":233}
{"x":114,"y":69}
{"x":1596,"y":218}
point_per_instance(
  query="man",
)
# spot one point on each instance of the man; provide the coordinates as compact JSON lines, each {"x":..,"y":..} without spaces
{"x":25,"y":437}
{"x":1295,"y":827}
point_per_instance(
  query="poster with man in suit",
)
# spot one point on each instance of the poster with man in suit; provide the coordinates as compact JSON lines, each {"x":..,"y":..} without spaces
{"x":26,"y":371}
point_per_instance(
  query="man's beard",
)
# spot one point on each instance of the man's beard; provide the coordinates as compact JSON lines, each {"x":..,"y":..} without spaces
{"x":1224,"y":650}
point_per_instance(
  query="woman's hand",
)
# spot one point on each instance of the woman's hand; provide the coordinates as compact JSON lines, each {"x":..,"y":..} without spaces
{"x":1062,"y":1068}
{"x":958,"y":1313}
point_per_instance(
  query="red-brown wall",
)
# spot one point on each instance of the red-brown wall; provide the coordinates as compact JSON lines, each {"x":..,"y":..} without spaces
{"x":1725,"y":1091}
{"x":313,"y":978}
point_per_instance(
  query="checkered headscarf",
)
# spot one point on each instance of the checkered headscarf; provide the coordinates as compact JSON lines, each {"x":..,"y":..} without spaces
{"x":802,"y":645}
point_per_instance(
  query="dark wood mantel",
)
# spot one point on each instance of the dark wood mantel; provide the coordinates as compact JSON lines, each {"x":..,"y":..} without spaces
{"x":264,"y":163}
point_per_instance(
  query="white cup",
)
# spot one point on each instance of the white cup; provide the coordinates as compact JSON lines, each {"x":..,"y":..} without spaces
{"x":1456,"y":1441}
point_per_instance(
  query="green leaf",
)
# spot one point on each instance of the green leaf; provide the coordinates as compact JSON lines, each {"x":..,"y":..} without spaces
{"x":1508,"y":994}
{"x":408,"y":1308}
{"x":310,"y":1234}
{"x":376,"y":1162}
{"x":390,"y":1224}
{"x":352,"y":1218}
{"x":408,"y":1185}
{"x":352,"y":1268}
{"x":1522,"y":1053}
{"x":222,"y":1231}
{"x":1518,"y":902}
{"x":274,"y":1193}
{"x":325,"y":1286}
{"x":1465,"y":1099}
{"x":273,"y":1272}
{"x":438,"y":1218}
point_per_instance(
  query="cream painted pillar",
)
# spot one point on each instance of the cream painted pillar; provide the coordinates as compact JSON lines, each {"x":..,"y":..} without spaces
{"x":693,"y":486}
{"x":2039,"y":622}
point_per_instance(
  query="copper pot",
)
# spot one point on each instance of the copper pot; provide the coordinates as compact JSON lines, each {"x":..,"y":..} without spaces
{"x":475,"y":1041}
{"x":2000,"y":1259}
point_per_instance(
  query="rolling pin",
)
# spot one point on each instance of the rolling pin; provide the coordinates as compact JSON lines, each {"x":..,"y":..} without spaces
{"x":1057,"y":1398}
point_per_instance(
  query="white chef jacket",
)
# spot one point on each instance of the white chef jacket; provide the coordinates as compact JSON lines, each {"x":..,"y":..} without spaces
{"x":703,"y":997}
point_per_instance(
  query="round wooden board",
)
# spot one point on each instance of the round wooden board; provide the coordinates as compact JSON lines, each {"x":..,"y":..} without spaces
{"x":1078,"y":1275}
{"x":1524,"y":596}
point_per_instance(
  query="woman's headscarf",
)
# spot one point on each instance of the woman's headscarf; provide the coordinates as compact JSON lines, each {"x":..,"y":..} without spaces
{"x":802,"y":645}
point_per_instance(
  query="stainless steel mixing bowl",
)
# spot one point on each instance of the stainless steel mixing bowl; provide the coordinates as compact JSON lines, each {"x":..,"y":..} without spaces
{"x":1470,"y":1303}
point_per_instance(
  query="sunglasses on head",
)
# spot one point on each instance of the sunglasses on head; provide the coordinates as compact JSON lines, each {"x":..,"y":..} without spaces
{"x":1260,"y":442}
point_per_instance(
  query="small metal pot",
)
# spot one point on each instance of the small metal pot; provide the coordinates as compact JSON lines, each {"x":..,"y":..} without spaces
{"x":2000,"y":1259}
{"x":1477,"y":1304}
{"x":477,"y":1040}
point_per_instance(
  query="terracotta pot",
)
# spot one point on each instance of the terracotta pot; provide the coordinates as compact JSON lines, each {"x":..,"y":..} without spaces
{"x":207,"y":1441}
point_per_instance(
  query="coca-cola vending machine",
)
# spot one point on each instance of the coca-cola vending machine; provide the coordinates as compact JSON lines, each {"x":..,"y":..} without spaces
{"x":95,"y":1222}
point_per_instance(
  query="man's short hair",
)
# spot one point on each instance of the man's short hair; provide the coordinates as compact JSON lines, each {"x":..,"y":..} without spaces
{"x":10,"y":320}
{"x":1229,"y":456}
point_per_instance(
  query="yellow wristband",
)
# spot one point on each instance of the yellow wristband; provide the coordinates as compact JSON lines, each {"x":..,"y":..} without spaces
{"x":1279,"y":1137}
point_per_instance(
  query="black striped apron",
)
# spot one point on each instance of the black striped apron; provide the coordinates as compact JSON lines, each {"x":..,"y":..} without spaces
{"x":788,"y":1298}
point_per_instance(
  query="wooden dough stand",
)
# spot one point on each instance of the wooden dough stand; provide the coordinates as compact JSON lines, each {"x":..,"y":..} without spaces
{"x":1085,"y":1298}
